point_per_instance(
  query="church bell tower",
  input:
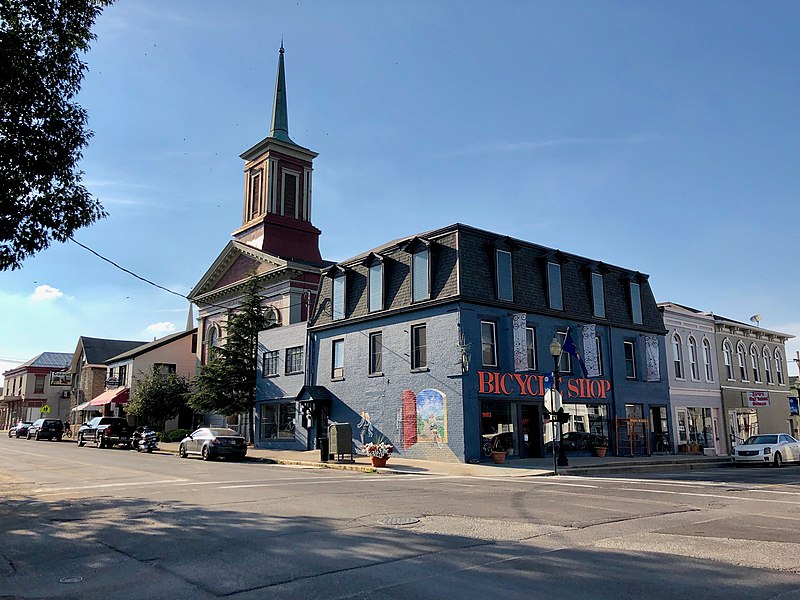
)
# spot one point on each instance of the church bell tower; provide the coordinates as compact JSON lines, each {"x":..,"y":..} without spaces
{"x":277,"y":196}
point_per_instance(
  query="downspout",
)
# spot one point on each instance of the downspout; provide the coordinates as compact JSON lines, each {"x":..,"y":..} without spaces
{"x":612,"y":419}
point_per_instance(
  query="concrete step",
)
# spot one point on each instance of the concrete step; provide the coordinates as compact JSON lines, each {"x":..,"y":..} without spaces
{"x":661,"y":466}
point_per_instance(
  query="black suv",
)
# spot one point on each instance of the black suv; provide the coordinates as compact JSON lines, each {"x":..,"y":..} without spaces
{"x":46,"y":429}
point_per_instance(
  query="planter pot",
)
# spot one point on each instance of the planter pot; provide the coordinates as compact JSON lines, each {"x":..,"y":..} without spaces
{"x":498,"y":457}
{"x":600,"y":451}
{"x":378,"y":461}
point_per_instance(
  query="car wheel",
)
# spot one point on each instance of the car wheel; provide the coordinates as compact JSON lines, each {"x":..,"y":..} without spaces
{"x":58,"y":438}
{"x":778,"y":461}
{"x":9,"y":433}
{"x":80,"y":440}
{"x":28,"y":436}
{"x":182,"y":451}
{"x":36,"y":436}
{"x":207,"y":453}
{"x":99,"y":442}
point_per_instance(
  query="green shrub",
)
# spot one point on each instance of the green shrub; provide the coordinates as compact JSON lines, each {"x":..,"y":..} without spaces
{"x":175,"y":435}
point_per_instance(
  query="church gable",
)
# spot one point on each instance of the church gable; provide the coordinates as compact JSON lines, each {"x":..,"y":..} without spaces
{"x":241,"y":269}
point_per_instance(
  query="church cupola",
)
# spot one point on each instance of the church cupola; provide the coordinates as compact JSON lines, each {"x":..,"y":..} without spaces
{"x":277,"y":197}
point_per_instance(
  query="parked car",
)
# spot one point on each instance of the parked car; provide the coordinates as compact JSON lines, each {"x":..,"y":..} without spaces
{"x":767,"y":448}
{"x":105,"y":432}
{"x":20,"y":429}
{"x":213,"y":442}
{"x":46,"y":429}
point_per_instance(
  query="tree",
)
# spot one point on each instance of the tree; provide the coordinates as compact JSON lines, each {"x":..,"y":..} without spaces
{"x":159,"y":396}
{"x":227,"y":383}
{"x":42,"y":128}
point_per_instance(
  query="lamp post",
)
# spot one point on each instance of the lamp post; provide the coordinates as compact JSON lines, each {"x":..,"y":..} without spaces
{"x":559,"y":415}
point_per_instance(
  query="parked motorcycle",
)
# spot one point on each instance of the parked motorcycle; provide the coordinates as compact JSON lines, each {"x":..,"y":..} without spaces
{"x":144,"y":440}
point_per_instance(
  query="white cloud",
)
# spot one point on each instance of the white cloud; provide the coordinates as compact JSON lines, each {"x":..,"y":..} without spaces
{"x":46,"y":292}
{"x":162,"y":327}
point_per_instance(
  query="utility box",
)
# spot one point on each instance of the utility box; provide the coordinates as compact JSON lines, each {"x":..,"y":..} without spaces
{"x":340,"y":438}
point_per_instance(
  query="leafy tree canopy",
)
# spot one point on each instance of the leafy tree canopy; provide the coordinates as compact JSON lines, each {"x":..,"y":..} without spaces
{"x":42,"y":128}
{"x":227,"y":383}
{"x":158,"y":396}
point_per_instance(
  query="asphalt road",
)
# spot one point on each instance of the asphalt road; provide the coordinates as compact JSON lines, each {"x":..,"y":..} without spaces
{"x":89,"y":523}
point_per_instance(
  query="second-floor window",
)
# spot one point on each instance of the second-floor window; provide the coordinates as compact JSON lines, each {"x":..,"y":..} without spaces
{"x":754,"y":364}
{"x":554,"y":292}
{"x":337,"y":359}
{"x":38,"y":386}
{"x":630,"y":360}
{"x":564,"y":360}
{"x":488,"y":344}
{"x":740,"y":358}
{"x":767,"y":365}
{"x":269,"y":363}
{"x":530,"y":346}
{"x":165,"y":368}
{"x":727,"y":353}
{"x":779,"y":367}
{"x":420,"y":288}
{"x":294,"y":360}
{"x":123,"y":375}
{"x":599,"y":346}
{"x":419,"y":347}
{"x":693,"y":363}
{"x":505,"y":286}
{"x":598,"y":296}
{"x":677,"y":356}
{"x":707,"y":360}
{"x":375,"y":353}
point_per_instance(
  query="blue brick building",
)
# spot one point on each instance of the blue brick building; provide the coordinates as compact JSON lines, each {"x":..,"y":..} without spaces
{"x":440,"y":341}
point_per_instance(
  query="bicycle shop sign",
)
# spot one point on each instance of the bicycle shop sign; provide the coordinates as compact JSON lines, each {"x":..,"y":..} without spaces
{"x":522,"y":384}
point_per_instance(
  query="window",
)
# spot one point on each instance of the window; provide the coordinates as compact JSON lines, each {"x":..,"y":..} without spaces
{"x":754,"y":364}
{"x":337,"y":359}
{"x":213,"y":336}
{"x":269,"y":363}
{"x":505,"y":286}
{"x":419,"y":351}
{"x":636,"y":303}
{"x":767,"y":365}
{"x":707,"y":360}
{"x":277,"y":421}
{"x":376,"y":287}
{"x":488,"y":344}
{"x":375,"y":353}
{"x":123,"y":375}
{"x":338,"y":297}
{"x":38,"y":386}
{"x":530,"y":346}
{"x":779,"y":366}
{"x":294,"y":360}
{"x":599,"y":347}
{"x":290,"y":189}
{"x":565,"y":360}
{"x":555,"y":298}
{"x":254,"y":208}
{"x":598,"y":296}
{"x":677,"y":356}
{"x":630,"y":360}
{"x":693,"y":364}
{"x":162,"y":368}
{"x":419,"y":276}
{"x":740,"y":359}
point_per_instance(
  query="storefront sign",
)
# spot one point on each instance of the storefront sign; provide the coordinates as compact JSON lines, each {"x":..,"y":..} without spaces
{"x":60,"y":378}
{"x":520,"y":384}
{"x":756,"y":399}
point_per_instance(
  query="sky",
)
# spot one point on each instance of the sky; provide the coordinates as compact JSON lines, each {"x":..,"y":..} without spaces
{"x":657,"y":136}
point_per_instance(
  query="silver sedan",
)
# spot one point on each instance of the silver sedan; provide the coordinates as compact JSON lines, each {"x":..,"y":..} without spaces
{"x":213,"y":442}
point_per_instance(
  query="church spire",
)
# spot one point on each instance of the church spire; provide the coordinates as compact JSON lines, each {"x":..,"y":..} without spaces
{"x":280,"y":116}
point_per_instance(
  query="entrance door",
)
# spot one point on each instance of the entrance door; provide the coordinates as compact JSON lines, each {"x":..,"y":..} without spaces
{"x":530,"y":431}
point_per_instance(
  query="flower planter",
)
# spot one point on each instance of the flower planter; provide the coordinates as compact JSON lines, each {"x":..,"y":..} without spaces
{"x":498,"y":456}
{"x":379,"y":461}
{"x":600,"y":451}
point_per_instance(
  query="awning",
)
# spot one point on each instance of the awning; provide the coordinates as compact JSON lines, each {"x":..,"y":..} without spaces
{"x":118,"y":396}
{"x":84,"y":406}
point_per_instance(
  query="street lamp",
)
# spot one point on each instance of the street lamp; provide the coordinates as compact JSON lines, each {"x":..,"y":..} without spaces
{"x":559,"y":415}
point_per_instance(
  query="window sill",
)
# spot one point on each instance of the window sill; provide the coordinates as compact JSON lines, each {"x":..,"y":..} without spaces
{"x":420,"y":370}
{"x":337,"y":378}
{"x":294,"y":373}
{"x":375,"y":374}
{"x":270,"y":376}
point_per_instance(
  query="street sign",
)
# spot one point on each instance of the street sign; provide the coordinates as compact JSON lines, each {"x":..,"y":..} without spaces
{"x":45,"y":409}
{"x":112,"y":382}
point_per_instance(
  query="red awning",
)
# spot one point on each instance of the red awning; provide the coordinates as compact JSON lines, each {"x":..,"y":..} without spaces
{"x":118,"y":396}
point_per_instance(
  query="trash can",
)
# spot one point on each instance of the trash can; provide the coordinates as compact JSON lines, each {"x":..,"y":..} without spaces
{"x":322,"y":444}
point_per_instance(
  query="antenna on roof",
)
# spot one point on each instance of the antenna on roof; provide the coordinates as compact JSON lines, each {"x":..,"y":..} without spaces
{"x":756,"y":318}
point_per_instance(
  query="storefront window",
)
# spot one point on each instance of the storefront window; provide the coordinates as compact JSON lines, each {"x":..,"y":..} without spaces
{"x":277,"y":421}
{"x":497,"y":423}
{"x":743,"y":424}
{"x":587,"y":428}
{"x":701,"y":429}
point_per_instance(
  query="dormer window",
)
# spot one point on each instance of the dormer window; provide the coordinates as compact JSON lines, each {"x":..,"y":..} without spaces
{"x":420,"y":275}
{"x":505,"y":284}
{"x":338,"y":296}
{"x":555,"y":295}
{"x":290,"y":192}
{"x":598,"y":296}
{"x":636,"y":303}
{"x":376,"y":286}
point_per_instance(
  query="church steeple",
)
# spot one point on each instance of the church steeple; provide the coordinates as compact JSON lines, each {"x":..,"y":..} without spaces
{"x":280,"y":116}
{"x":277,"y":198}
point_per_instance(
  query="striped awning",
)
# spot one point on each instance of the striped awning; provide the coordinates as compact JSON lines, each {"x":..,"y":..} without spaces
{"x":117,"y":396}
{"x":80,"y":407}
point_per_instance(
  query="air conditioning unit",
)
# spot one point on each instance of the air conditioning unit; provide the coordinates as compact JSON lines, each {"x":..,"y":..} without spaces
{"x":65,"y":394}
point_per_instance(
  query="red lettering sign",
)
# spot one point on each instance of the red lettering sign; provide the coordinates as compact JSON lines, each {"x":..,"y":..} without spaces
{"x":524,"y":384}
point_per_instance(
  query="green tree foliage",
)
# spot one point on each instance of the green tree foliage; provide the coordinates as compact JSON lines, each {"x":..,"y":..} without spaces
{"x":159,"y":396}
{"x":227,"y":383}
{"x":42,"y":128}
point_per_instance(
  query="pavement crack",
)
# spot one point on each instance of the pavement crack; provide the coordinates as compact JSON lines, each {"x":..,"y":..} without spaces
{"x":578,"y":527}
{"x":10,"y":563}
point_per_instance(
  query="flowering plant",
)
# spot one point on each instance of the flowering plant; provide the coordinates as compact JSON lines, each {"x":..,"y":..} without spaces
{"x":379,"y":449}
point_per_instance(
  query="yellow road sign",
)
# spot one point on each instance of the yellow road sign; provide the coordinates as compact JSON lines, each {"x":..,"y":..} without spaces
{"x":45,"y":409}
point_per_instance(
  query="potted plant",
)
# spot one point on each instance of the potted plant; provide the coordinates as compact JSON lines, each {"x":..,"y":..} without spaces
{"x":379,"y":452}
{"x":600,"y":447}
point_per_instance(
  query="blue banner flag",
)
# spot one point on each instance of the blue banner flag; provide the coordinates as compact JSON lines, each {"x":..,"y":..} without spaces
{"x":570,"y":348}
{"x":547,"y":381}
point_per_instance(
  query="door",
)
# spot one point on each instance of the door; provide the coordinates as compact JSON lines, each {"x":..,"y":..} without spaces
{"x":530,"y":431}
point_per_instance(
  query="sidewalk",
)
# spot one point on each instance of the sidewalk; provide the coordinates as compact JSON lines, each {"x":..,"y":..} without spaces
{"x":527,"y":467}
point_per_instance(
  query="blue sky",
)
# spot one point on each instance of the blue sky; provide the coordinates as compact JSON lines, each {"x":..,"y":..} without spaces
{"x":662,"y":137}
